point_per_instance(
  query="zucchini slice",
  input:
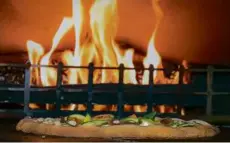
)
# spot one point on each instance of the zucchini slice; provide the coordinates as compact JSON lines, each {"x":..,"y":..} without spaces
{"x":76,"y":117}
{"x":129,"y":120}
{"x":95,"y":123}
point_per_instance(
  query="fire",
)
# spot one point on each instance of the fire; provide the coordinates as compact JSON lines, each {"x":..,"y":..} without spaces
{"x":127,"y":60}
{"x":35,"y":52}
{"x":102,"y":49}
{"x":49,"y":75}
{"x":152,"y":52}
{"x":74,"y":58}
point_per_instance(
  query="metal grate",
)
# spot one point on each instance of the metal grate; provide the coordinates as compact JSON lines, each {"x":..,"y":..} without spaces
{"x":152,"y":94}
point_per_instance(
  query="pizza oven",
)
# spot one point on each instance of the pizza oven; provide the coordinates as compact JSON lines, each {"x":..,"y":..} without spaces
{"x":98,"y":73}
{"x":200,"y":98}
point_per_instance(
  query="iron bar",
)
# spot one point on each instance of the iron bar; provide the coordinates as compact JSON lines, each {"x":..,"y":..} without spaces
{"x":209,"y":90}
{"x":27,"y":91}
{"x":58,"y":87}
{"x":120,"y":91}
{"x":180,"y":89}
{"x":126,"y":68}
{"x":150,"y":89}
{"x":90,"y":88}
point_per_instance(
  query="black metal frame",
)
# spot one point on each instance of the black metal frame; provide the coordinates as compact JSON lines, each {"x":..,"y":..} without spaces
{"x":188,"y":91}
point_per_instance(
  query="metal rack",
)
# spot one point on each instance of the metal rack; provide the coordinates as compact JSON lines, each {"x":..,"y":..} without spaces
{"x":119,"y":93}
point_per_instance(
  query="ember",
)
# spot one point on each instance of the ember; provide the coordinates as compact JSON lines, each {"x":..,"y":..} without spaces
{"x":11,"y":75}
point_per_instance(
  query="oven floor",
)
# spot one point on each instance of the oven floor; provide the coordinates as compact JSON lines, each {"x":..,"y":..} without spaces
{"x":8,"y":133}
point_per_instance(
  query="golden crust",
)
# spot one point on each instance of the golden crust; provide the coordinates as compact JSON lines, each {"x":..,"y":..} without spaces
{"x":122,"y":131}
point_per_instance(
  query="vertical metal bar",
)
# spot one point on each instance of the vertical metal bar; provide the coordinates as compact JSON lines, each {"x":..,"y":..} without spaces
{"x":27,"y":91}
{"x":90,"y":88}
{"x":179,"y":95}
{"x":120,"y":105}
{"x":181,"y":74}
{"x":150,"y":89}
{"x":209,"y":90}
{"x":58,"y":87}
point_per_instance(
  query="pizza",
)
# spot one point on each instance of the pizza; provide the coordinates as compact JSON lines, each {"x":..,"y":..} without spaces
{"x":108,"y":126}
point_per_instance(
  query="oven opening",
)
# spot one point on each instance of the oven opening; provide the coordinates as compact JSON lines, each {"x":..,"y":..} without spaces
{"x":102,"y":74}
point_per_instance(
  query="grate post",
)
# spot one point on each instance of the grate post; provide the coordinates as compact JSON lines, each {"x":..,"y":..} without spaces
{"x":209,"y":90}
{"x":150,"y":89}
{"x":179,"y":95}
{"x":120,"y":105}
{"x":58,"y":87}
{"x":90,"y":88}
{"x":27,"y":90}
{"x":181,"y":74}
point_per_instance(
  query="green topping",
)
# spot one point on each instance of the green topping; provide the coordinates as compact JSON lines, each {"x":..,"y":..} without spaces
{"x":150,"y":116}
{"x":76,"y":116}
{"x":95,"y":123}
{"x":79,"y":116}
{"x":181,"y":124}
{"x":108,"y":119}
{"x":87,"y":118}
{"x":130,"y":120}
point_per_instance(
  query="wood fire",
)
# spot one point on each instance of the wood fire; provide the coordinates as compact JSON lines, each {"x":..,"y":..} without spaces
{"x":100,"y":49}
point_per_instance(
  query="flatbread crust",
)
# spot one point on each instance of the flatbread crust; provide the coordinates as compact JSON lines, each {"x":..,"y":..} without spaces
{"x":121,"y":131}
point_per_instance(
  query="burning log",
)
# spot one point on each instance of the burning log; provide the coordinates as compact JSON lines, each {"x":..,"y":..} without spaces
{"x":12,"y":75}
{"x":22,"y":57}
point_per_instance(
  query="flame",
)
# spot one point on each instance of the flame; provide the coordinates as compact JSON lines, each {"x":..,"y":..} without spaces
{"x":49,"y":75}
{"x":153,"y":56}
{"x":102,"y":22}
{"x":74,"y":58}
{"x":129,"y":75}
{"x":68,"y":59}
{"x":101,"y":49}
{"x":35,"y":51}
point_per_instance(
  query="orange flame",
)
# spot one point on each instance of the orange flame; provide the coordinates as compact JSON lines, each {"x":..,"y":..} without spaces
{"x":129,"y":75}
{"x":74,"y":58}
{"x":49,"y":75}
{"x":102,"y":50}
{"x":103,"y":18}
{"x":35,"y":51}
{"x":153,"y":56}
{"x":102,"y":21}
